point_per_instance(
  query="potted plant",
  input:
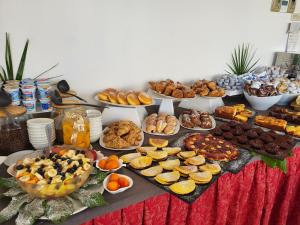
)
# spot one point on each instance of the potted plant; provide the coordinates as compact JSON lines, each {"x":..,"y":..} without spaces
{"x":8,"y":74}
{"x":242,"y":60}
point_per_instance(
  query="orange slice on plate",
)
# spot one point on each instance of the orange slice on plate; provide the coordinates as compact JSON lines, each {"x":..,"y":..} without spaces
{"x":121,"y":98}
{"x":145,"y":98}
{"x":133,"y":99}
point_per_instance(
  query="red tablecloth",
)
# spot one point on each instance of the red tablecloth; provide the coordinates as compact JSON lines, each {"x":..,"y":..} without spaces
{"x":256,"y":195}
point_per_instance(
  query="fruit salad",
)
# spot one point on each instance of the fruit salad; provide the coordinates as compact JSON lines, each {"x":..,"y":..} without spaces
{"x":55,"y":174}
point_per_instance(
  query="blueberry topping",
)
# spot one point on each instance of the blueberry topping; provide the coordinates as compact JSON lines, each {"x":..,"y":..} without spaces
{"x":69,"y":161}
{"x":80,"y":161}
{"x":19,"y":167}
{"x":37,"y":159}
{"x":43,"y":157}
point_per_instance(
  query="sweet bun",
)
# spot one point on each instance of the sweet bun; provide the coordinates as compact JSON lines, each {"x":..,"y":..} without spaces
{"x":133,"y":99}
{"x":103,"y":96}
{"x":112,"y":97}
{"x":161,"y":125}
{"x":145,"y":98}
{"x":121,"y":98}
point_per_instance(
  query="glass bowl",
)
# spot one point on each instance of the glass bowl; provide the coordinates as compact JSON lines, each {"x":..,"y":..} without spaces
{"x":55,"y":190}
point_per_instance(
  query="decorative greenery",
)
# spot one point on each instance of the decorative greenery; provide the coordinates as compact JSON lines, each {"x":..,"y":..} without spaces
{"x":9,"y":73}
{"x":29,"y":209}
{"x":242,"y":60}
{"x":273,"y":163}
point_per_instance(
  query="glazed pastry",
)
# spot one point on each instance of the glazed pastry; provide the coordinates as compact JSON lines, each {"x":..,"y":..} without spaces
{"x":121,"y":98}
{"x":271,"y":122}
{"x":227,"y":112}
{"x":162,"y":123}
{"x":193,"y":119}
{"x":169,"y":89}
{"x":133,"y":99}
{"x":212,"y":85}
{"x":112,"y":96}
{"x":177,"y":93}
{"x":145,"y":98}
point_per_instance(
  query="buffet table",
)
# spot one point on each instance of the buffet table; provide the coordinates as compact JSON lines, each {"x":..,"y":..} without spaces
{"x":256,"y":195}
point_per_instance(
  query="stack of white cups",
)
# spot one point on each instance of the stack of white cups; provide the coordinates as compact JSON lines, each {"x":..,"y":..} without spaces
{"x":37,"y":132}
{"x":94,"y":117}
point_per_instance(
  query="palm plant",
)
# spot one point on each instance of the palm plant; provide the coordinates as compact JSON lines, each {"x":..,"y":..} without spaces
{"x":9,"y":73}
{"x":242,"y":60}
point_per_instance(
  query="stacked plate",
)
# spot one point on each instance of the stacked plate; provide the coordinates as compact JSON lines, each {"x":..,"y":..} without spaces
{"x":37,"y":132}
{"x":94,"y":117}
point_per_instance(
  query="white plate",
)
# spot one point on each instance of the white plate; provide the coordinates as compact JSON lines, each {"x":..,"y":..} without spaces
{"x":120,"y":105}
{"x":120,"y":189}
{"x":122,"y":149}
{"x":199,"y":128}
{"x":177,"y":128}
{"x":14,"y":157}
{"x":113,"y":170}
{"x":157,"y":95}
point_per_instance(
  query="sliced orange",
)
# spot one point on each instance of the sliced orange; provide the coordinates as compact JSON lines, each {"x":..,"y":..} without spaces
{"x":112,"y":96}
{"x":158,"y":142}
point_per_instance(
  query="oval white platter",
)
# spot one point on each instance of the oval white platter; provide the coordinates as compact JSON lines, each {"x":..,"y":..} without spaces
{"x":199,"y":128}
{"x":177,"y":128}
{"x":120,"y":189}
{"x":120,"y":149}
{"x":121,"y":164}
{"x":211,"y":97}
{"x":14,"y":157}
{"x":120,"y":105}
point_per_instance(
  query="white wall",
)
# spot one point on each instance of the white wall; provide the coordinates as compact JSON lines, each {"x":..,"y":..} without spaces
{"x":116,"y":43}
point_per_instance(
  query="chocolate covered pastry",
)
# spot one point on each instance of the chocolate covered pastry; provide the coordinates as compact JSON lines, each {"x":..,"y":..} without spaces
{"x":255,"y":139}
{"x":193,"y":119}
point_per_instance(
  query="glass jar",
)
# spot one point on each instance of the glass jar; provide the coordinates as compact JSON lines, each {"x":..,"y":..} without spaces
{"x":13,"y":134}
{"x":58,"y":115}
{"x":76,"y":128}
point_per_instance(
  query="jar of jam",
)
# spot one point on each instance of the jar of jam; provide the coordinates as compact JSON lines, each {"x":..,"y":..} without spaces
{"x":76,"y":128}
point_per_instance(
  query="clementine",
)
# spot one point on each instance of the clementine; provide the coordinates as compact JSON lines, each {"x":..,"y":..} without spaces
{"x":113,"y":185}
{"x":102,"y":163}
{"x":111,"y":164}
{"x":123,"y":182}
{"x":114,"y":177}
{"x":113,"y":157}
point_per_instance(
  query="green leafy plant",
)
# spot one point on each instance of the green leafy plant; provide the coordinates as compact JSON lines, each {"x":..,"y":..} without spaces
{"x":242,"y":60}
{"x":9,"y":73}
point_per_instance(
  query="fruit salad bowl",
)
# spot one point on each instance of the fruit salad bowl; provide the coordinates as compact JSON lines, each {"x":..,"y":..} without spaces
{"x":53,"y":175}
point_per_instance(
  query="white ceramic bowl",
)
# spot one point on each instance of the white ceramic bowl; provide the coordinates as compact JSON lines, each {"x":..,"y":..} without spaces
{"x":287,"y":99}
{"x":262,"y":103}
{"x":94,"y":117}
{"x":39,"y":121}
{"x":120,"y":189}
{"x":113,"y":170}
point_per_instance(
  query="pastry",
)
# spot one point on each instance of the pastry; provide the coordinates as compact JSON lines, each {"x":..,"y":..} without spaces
{"x":208,"y":88}
{"x":133,"y":99}
{"x":253,"y":139}
{"x":144,"y":98}
{"x":121,"y":98}
{"x":235,"y":112}
{"x":112,"y":97}
{"x":161,"y":124}
{"x":124,"y":97}
{"x":196,"y":119}
{"x":270,"y":122}
{"x":211,"y":147}
{"x":170,"y":88}
{"x":122,"y":134}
